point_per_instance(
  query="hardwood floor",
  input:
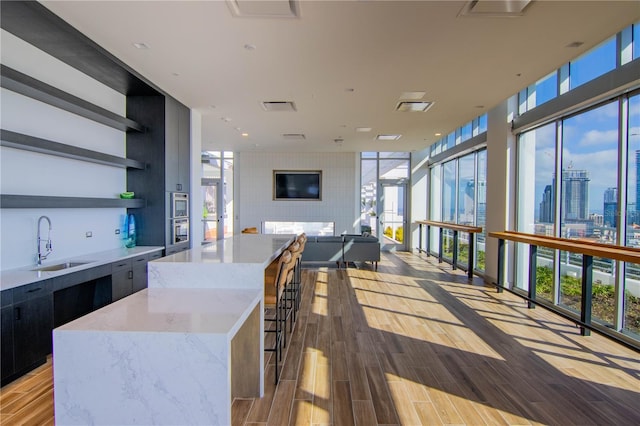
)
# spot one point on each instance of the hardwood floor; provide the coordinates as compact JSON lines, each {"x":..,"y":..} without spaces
{"x":416,"y":344}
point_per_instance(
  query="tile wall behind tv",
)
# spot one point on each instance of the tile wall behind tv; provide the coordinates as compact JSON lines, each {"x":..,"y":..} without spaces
{"x":340,"y":191}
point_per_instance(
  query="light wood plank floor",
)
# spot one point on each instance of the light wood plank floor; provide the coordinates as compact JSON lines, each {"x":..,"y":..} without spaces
{"x":416,"y":344}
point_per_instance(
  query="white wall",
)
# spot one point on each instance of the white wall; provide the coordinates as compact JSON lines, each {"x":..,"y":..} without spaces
{"x":27,"y":173}
{"x":500,"y":183}
{"x":419,"y":200}
{"x":254,"y":193}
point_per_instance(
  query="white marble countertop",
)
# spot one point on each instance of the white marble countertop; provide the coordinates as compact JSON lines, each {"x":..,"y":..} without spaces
{"x":259,"y":249}
{"x":168,"y":310}
{"x":26,"y":275}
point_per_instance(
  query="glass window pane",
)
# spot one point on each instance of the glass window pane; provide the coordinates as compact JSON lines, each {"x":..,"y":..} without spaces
{"x":368,"y":195}
{"x":395,"y":154}
{"x":536,"y":200}
{"x":394,"y":169}
{"x":589,"y":192}
{"x":481,"y":210}
{"x":631,"y":319}
{"x":369,"y":155}
{"x":465,"y":132}
{"x":633,"y":177}
{"x":483,"y":123}
{"x":435,"y":203}
{"x":466,"y":190}
{"x":451,"y":140}
{"x":545,"y":89}
{"x":593,"y":64}
{"x":590,"y":174}
{"x":636,"y":40}
{"x":449,"y":192}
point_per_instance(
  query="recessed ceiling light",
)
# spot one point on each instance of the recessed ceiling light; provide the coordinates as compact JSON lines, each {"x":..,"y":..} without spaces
{"x":141,"y":45}
{"x":175,"y":74}
{"x":388,"y":137}
{"x":438,"y":134}
{"x":575,"y":44}
{"x":363,"y":129}
{"x":479,"y":106}
{"x":225,"y":119}
{"x":245,"y":134}
{"x":412,"y":96}
{"x":349,"y":89}
{"x":413,"y":106}
{"x":250,"y":46}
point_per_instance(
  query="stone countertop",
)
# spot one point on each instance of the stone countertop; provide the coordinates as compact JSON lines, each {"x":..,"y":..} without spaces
{"x":259,"y":249}
{"x":169,"y":310}
{"x":12,"y":278}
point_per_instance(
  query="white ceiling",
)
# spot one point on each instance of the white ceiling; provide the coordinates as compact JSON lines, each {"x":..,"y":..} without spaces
{"x":345,"y":64}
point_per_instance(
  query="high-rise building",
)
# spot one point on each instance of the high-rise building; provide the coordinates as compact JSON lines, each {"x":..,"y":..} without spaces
{"x":546,"y":205}
{"x":575,"y":195}
{"x":638,"y":183}
{"x":610,"y":209}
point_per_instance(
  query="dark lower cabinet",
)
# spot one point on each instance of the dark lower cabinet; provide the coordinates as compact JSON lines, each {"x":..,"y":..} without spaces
{"x":6,"y":350}
{"x":32,"y":326}
{"x":121,"y":280}
{"x":139,"y":274}
{"x":26,"y":330}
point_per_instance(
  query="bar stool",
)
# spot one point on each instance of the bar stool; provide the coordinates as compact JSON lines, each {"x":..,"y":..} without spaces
{"x":292,"y":289}
{"x":252,"y":230}
{"x":274,"y":300}
{"x":302,"y":240}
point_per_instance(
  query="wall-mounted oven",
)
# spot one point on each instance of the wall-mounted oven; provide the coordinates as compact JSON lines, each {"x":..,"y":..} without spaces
{"x":179,"y":204}
{"x":179,"y":230}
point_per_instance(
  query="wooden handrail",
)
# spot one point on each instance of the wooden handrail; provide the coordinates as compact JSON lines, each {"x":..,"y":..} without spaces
{"x":615,"y":252}
{"x":453,"y":226}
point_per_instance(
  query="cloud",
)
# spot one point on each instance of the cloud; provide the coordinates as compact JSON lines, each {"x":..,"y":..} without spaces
{"x":599,"y":138}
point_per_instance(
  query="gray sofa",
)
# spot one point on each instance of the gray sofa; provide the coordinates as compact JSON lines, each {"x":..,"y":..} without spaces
{"x":342,"y":249}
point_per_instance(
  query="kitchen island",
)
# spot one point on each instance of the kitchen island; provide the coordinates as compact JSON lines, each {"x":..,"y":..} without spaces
{"x":160,"y":356}
{"x":178,"y":352}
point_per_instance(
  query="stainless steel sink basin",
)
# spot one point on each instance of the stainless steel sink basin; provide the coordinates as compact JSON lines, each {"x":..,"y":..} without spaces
{"x":60,"y":266}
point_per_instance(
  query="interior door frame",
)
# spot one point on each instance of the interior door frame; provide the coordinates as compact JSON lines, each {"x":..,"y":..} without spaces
{"x":404,"y":184}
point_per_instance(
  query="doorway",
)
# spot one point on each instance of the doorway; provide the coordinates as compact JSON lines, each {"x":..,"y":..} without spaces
{"x":392,"y":214}
{"x":213,"y":210}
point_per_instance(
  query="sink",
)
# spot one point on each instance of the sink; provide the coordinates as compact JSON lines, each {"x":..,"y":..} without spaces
{"x":60,"y":266}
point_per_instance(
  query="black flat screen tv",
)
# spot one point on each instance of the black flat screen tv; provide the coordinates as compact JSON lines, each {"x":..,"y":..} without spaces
{"x":297,"y":185}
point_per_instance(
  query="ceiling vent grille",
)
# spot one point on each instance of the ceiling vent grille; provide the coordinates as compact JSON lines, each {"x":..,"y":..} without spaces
{"x":413,"y":106}
{"x":495,"y":8}
{"x":264,"y":8}
{"x":294,"y":136}
{"x":279,"y":106}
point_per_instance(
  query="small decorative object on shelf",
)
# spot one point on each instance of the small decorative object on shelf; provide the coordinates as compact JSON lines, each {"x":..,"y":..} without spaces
{"x":127,"y":195}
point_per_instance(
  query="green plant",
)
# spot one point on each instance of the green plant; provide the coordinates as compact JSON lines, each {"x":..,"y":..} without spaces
{"x":399,"y":234}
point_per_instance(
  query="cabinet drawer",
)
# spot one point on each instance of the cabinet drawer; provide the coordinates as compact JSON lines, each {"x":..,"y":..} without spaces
{"x":140,"y":259}
{"x":121,"y":265}
{"x":31,"y":291}
{"x":155,"y":255}
{"x":6,"y":298}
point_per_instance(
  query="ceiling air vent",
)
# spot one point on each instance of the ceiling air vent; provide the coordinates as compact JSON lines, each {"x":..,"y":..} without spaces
{"x":294,"y":136}
{"x":279,"y":106}
{"x":413,"y":106}
{"x":264,"y":8}
{"x":495,"y":8}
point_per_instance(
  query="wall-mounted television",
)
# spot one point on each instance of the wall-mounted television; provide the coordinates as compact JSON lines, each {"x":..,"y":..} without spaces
{"x":297,"y":185}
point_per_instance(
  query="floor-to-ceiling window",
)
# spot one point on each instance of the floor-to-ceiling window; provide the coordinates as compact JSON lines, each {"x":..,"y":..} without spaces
{"x":458,"y":193}
{"x":577,"y":178}
{"x":631,"y":287}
